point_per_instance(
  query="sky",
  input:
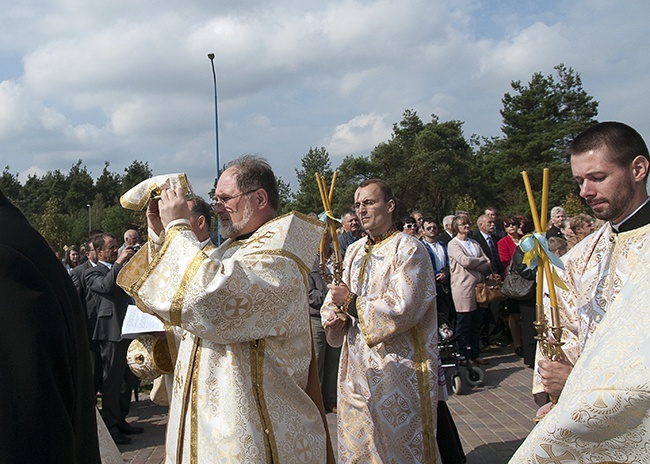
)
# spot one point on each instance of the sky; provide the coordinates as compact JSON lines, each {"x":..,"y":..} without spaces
{"x":122,"y":80}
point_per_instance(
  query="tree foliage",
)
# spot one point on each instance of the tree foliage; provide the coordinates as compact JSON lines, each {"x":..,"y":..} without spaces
{"x":56,"y":204}
{"x":308,"y":199}
{"x":431,"y":166}
{"x":427,"y":165}
{"x":539,"y":121}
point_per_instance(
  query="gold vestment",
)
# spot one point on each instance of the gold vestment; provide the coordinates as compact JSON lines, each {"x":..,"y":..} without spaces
{"x":239,"y":392}
{"x":388,"y":372}
{"x":595,"y":271}
{"x":603,"y":413}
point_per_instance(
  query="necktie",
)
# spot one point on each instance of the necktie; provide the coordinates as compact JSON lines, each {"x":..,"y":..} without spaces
{"x":493,"y":251}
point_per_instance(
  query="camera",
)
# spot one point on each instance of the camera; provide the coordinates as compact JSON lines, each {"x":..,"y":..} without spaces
{"x":136,"y":248}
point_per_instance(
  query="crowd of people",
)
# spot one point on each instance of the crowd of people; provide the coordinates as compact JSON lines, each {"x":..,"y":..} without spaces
{"x":257,"y":337}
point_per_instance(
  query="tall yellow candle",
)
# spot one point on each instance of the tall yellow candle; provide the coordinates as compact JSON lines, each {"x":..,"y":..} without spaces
{"x":540,"y":268}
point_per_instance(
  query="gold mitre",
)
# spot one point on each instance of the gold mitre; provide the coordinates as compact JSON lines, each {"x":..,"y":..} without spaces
{"x":138,"y":197}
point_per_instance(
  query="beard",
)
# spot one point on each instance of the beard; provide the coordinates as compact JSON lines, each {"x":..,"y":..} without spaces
{"x":615,"y":206}
{"x":229,"y":229}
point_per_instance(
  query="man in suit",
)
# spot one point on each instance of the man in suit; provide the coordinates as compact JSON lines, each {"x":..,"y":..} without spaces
{"x":46,"y":401}
{"x":440,"y":260}
{"x":493,"y":326}
{"x":89,"y":306}
{"x":446,"y":235}
{"x":493,"y":214}
{"x":111,"y":303}
{"x":352,"y":230}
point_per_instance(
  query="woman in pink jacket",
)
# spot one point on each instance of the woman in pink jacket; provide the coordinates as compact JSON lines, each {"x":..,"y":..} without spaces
{"x":468,"y":265}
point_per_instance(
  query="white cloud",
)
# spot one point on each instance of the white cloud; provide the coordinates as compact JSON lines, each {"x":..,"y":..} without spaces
{"x":359,"y":135}
{"x":121,"y":80}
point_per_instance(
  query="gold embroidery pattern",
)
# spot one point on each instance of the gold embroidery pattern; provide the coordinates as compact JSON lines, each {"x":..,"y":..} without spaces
{"x":268,"y":291}
{"x":194,"y":418}
{"x":388,"y":391}
{"x":186,"y":397}
{"x":257,"y":377}
{"x":428,"y":429}
{"x":602,"y":414}
{"x":179,"y":297}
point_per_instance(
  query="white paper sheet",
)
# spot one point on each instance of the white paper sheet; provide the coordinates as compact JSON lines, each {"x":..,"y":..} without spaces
{"x":136,"y":322}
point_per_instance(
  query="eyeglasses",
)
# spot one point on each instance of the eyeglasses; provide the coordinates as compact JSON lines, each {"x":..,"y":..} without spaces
{"x":512,"y":224}
{"x":431,"y":228}
{"x":365,"y":204}
{"x":224,"y":200}
{"x":410,"y":226}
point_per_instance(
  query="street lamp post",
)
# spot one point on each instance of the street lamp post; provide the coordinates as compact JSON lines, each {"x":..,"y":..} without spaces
{"x":216,"y":112}
{"x":89,"y":219}
{"x":216,"y":130}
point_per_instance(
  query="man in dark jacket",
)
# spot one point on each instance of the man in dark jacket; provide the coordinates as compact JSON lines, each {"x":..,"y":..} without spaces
{"x":47,"y":407}
{"x":111,"y":303}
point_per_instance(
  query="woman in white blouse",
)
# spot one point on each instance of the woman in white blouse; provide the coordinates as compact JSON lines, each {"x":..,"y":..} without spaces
{"x":468,"y":265}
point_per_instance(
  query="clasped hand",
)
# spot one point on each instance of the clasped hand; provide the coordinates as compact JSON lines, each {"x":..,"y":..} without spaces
{"x":171,"y":206}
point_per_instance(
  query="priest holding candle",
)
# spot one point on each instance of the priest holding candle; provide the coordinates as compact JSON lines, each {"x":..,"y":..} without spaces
{"x":600,"y":371}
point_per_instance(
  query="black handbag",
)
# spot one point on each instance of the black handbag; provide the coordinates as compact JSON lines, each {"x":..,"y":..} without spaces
{"x":517,"y":287}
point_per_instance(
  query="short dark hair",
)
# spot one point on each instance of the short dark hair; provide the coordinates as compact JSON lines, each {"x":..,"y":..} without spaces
{"x":201,"y":208}
{"x":386,"y":190}
{"x":99,"y":240}
{"x":254,"y":172}
{"x":623,"y":142}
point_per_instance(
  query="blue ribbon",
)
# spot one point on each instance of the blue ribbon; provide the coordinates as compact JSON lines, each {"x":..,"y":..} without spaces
{"x":532,"y":241}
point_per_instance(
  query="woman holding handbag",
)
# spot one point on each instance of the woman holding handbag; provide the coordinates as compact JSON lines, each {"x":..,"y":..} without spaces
{"x":506,"y":247}
{"x":468,"y":265}
{"x":526,"y":306}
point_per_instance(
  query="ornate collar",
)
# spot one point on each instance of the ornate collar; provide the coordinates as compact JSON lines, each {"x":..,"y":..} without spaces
{"x":374,"y":241}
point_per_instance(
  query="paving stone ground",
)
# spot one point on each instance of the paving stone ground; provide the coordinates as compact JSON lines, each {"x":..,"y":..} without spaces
{"x":492,"y":419}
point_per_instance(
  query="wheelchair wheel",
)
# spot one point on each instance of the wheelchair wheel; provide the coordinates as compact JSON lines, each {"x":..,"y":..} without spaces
{"x":474,"y":376}
{"x":456,"y":383}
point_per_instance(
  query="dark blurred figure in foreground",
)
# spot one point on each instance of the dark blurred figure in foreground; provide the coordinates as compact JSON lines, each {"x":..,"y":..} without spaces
{"x":47,"y":406}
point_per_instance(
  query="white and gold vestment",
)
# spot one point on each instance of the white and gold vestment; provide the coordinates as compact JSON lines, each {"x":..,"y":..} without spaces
{"x":603,"y":413}
{"x":595,"y":271}
{"x":241,"y":375}
{"x":388,"y":372}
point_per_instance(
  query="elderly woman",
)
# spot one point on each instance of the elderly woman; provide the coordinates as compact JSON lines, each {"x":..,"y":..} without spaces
{"x":468,"y":265}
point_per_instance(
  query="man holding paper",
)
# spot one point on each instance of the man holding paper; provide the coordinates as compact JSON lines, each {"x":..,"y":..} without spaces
{"x":603,"y":411}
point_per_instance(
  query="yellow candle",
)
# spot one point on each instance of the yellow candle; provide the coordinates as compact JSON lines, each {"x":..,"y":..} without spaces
{"x":544,"y":212}
{"x":540,"y":268}
{"x":531,"y":201}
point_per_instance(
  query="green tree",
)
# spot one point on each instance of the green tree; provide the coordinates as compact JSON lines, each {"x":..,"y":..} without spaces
{"x":134,"y":174}
{"x":308,"y":199}
{"x":428,"y":166}
{"x":108,"y":186}
{"x":286,"y":196}
{"x":32,"y":198}
{"x":573,"y":205}
{"x":445,"y":162}
{"x":81,"y":189}
{"x":539,"y":120}
{"x":10,"y":185}
{"x":352,"y":171}
{"x":54,"y":226}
